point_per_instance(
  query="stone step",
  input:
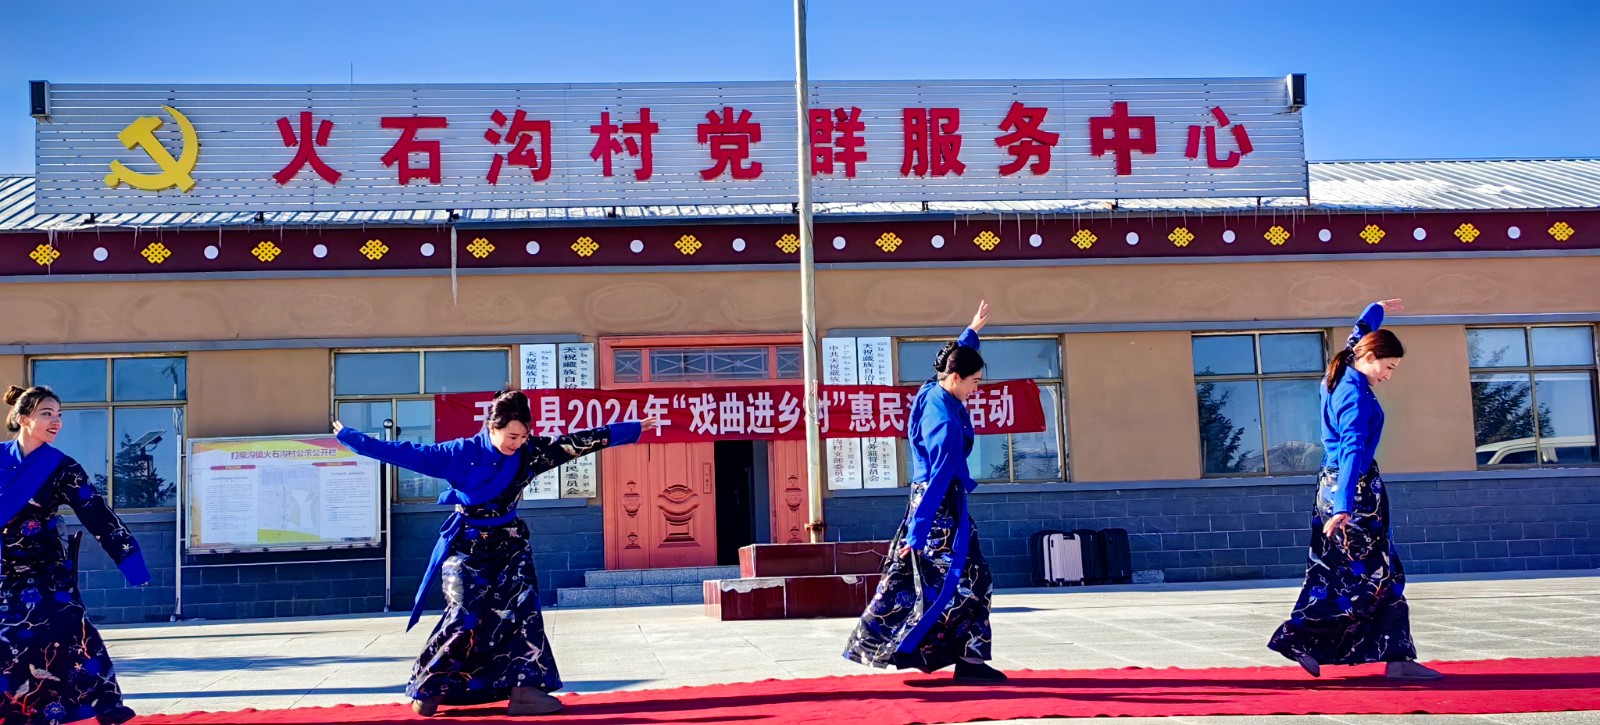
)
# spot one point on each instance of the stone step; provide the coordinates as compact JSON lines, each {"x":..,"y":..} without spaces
{"x":637,"y":596}
{"x":601,"y":578}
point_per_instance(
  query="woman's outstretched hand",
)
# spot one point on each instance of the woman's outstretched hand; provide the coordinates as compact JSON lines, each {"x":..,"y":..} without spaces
{"x":1393,"y":305}
{"x":649,"y":424}
{"x":981,"y":317}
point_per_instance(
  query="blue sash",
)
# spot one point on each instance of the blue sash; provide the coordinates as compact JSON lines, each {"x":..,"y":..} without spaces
{"x":508,"y":473}
{"x":931,"y":611}
{"x":22,"y":476}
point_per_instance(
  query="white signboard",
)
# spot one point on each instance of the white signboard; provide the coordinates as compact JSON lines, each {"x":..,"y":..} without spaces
{"x":578,"y":478}
{"x":266,"y":148}
{"x":844,"y":455}
{"x":880,"y":457}
{"x":285,"y":492}
{"x":539,"y":372}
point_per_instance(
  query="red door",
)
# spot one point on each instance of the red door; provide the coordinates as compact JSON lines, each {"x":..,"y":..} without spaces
{"x":660,"y":505}
{"x":787,"y":474}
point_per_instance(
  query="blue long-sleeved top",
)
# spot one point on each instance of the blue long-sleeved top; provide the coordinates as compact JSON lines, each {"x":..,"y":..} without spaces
{"x":1352,"y":421}
{"x":478,"y":473}
{"x":940,"y":433}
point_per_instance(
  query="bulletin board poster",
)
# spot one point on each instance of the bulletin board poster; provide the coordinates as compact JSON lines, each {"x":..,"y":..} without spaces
{"x":280,"y":493}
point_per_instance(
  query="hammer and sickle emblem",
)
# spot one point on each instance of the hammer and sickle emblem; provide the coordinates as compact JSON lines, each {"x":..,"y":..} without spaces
{"x":175,"y":172}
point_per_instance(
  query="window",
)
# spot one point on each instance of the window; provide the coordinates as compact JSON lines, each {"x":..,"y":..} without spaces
{"x":705,"y":364}
{"x":371,"y":387}
{"x":1259,"y":405}
{"x":1005,"y":458}
{"x":123,"y":421}
{"x":1533,"y":393}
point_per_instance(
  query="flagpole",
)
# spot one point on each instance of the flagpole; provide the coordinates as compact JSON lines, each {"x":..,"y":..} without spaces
{"x":808,"y":283}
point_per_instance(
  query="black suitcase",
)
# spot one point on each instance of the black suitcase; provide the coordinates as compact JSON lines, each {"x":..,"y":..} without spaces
{"x":1094,"y":560}
{"x":1036,"y":550}
{"x":1117,"y":556}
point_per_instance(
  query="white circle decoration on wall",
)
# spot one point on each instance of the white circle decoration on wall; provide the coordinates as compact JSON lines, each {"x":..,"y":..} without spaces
{"x":1325,"y":235}
{"x":100,"y":254}
{"x":1419,"y":234}
{"x":320,"y":251}
{"x":1228,"y":236}
{"x":427,"y":249}
{"x":1133,"y":238}
{"x":938,"y":241}
{"x":212,"y":252}
{"x":636,"y":245}
{"x":1035,"y":240}
{"x":1514,"y":232}
{"x":533,"y":247}
{"x":838,"y":242}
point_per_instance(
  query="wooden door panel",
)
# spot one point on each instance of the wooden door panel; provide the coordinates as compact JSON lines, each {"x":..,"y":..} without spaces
{"x":788,"y":492}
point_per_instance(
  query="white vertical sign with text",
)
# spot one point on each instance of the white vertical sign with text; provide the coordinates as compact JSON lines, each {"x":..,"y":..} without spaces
{"x":539,"y":372}
{"x":578,"y":478}
{"x":844,"y":455}
{"x":880,"y":457}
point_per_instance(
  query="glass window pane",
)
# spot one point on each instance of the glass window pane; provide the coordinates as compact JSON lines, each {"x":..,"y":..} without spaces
{"x":1566,"y":417}
{"x":1563,"y":346}
{"x":1034,"y":455}
{"x":988,"y":460}
{"x":86,"y":436}
{"x":915,"y":360}
{"x":76,"y":381}
{"x":790,"y":362}
{"x":627,"y":366}
{"x":1298,"y":352}
{"x":1224,"y":355}
{"x":377,"y":373}
{"x":1501,"y":418}
{"x":414,"y":421}
{"x":149,"y":378}
{"x":1230,"y":427}
{"x":1497,"y":347}
{"x":1294,"y":430}
{"x":1019,"y":359}
{"x":465,"y":371}
{"x":149,"y":448}
{"x":727,"y":363}
{"x":366,"y":416}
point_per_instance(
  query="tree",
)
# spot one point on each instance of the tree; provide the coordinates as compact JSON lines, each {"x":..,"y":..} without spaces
{"x":1502,"y":410}
{"x":1220,"y":439}
{"x":139,"y":483}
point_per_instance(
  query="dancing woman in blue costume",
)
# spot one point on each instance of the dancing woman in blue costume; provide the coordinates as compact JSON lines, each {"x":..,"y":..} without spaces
{"x":931,"y":609}
{"x":1352,"y":609}
{"x":490,"y":645}
{"x":55,"y":665}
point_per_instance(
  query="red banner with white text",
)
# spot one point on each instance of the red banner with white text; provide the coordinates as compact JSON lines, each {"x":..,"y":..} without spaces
{"x":766,"y":412}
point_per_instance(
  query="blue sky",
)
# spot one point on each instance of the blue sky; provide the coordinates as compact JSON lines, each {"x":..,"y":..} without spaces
{"x":1411,"y":79}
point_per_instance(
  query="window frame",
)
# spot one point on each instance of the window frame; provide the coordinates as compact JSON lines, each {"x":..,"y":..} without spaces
{"x":1532,"y":370}
{"x":111,"y":405}
{"x":609,"y":347}
{"x":335,"y":399}
{"x":1059,"y":384}
{"x":1260,"y":379}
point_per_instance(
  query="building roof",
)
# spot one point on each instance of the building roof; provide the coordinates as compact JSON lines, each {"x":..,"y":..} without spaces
{"x":1374,"y":186}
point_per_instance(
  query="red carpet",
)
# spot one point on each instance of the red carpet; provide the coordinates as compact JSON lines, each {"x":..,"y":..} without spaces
{"x":1480,"y":687}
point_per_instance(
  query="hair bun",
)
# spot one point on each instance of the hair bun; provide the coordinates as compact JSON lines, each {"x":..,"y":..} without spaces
{"x":13,"y":394}
{"x":941,"y":361}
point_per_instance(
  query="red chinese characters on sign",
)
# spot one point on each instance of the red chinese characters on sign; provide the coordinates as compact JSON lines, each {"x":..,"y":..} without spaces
{"x":836,"y":138}
{"x":520,"y":135}
{"x":730,"y":138}
{"x":409,"y":144}
{"x":1241,"y":139}
{"x":305,"y":146}
{"x":932,"y":142}
{"x":1121,"y":134}
{"x":636,"y":141}
{"x":1024,"y":140}
{"x":773,"y":412}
